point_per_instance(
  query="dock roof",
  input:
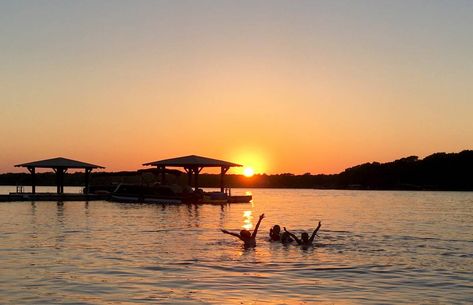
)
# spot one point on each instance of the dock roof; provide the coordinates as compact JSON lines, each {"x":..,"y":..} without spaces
{"x":59,"y":163}
{"x":193,"y":161}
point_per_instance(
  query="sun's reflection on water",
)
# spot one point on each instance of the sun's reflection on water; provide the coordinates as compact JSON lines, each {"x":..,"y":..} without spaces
{"x":247,"y":220}
{"x":177,"y":254}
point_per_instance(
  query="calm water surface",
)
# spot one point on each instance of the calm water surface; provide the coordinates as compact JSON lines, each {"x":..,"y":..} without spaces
{"x":374,"y":247}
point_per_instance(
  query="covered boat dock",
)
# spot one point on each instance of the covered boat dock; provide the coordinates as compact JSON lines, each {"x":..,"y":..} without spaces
{"x":59,"y":166}
{"x":193,"y":165}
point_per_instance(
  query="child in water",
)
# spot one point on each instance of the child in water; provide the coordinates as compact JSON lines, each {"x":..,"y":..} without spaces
{"x":245,"y":235}
{"x":275,"y":235}
{"x":305,"y":240}
{"x":286,"y":238}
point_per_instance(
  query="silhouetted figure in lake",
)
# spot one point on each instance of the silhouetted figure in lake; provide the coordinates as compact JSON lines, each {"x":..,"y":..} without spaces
{"x":286,"y":238}
{"x":275,"y":233}
{"x":305,"y":240}
{"x":246,"y":236}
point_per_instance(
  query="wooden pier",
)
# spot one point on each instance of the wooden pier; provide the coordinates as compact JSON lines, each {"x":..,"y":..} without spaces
{"x":192,"y":165}
{"x":52,"y":197}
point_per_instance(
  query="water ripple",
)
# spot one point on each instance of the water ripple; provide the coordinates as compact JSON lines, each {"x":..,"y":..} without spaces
{"x":373,"y":248}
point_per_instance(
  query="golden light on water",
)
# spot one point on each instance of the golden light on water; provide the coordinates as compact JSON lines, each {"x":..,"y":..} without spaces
{"x":247,"y":220}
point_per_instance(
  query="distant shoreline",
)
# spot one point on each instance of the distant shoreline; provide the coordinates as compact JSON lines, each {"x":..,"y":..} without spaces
{"x":292,"y":188}
{"x":437,"y":172}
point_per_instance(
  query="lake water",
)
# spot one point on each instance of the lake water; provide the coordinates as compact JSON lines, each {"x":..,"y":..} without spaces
{"x":374,"y":248}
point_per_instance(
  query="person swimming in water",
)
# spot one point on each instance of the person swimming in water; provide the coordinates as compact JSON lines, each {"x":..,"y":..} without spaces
{"x":275,"y":233}
{"x":286,"y":238}
{"x":248,"y":238}
{"x":305,"y":240}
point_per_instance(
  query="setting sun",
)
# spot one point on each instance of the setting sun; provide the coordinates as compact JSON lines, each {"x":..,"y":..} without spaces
{"x":254,"y":159}
{"x":248,"y":172}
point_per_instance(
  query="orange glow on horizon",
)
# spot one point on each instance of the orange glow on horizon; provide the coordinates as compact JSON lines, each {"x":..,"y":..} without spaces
{"x":271,"y":99}
{"x":253,"y":159}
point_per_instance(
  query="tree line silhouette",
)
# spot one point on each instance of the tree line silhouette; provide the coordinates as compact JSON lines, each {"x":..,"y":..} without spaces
{"x":439,"y":171}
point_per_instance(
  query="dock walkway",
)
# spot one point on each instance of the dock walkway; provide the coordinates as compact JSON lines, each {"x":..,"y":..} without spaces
{"x":52,"y":197}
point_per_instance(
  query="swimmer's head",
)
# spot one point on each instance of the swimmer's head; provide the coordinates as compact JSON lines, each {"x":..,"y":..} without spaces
{"x":305,"y":237}
{"x":276,"y":229}
{"x":245,"y":234}
{"x":285,"y":237}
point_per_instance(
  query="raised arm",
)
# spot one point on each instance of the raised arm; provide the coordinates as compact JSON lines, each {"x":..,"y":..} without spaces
{"x":257,"y":226}
{"x":315,"y":232}
{"x":293,"y":236}
{"x":230,"y":233}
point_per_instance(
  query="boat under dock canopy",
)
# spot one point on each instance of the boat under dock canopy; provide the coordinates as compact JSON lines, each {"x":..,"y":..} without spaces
{"x":193,"y":165}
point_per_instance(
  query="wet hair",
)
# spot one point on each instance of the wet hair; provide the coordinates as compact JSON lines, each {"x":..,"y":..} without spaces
{"x":245,"y":234}
{"x":305,"y":236}
{"x":277,"y":228}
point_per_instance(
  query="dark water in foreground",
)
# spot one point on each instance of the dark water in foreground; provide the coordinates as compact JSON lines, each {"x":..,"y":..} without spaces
{"x":374,"y":247}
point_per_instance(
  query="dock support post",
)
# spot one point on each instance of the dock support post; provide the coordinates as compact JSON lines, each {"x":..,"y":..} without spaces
{"x":33,"y":179}
{"x":87,"y":175}
{"x":64,"y":170}
{"x":196,"y":178}
{"x":223,"y":170}
{"x":59,"y":180}
{"x":163,"y":175}
{"x":56,"y":170}
{"x":189,"y":175}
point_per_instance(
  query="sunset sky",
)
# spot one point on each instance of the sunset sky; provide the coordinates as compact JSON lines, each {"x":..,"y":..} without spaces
{"x":280,"y":86}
